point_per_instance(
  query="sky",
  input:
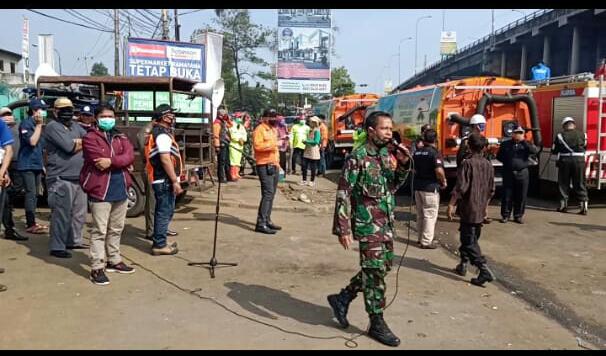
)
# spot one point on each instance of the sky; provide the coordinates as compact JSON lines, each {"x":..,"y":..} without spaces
{"x":366,"y":42}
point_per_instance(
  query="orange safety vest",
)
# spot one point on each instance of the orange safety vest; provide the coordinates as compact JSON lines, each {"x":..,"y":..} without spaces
{"x":153,"y":156}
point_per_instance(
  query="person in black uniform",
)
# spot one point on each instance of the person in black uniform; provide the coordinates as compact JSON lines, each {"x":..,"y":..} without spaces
{"x":570,"y":145}
{"x":514,"y":154}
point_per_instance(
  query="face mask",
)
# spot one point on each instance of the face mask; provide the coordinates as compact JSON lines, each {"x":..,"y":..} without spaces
{"x":239,"y":121}
{"x":481,"y":127}
{"x":107,"y":123}
{"x":272,"y":122}
{"x":44,"y":114}
{"x":66,"y":116}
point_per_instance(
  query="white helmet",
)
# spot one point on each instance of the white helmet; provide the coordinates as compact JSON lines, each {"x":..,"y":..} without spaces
{"x":477,"y":119}
{"x":566,"y":120}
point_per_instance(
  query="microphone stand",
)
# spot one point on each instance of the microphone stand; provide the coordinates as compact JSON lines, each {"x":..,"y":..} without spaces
{"x":213,"y":263}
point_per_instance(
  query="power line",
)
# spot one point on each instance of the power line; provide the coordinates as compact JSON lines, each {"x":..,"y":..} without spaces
{"x":84,"y":18}
{"x":152,"y":14}
{"x":191,"y":12}
{"x":67,"y":21}
{"x":148,"y":18}
{"x":148,"y":25}
{"x":97,"y":41}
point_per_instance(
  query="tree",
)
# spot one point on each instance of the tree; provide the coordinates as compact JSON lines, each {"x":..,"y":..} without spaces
{"x":341,"y":83}
{"x":241,"y":39}
{"x":98,"y":70}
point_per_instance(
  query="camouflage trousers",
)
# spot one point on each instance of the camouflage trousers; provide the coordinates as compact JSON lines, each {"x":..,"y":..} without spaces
{"x":375,"y":260}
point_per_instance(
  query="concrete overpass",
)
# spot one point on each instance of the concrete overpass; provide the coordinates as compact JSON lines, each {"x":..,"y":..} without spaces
{"x":569,"y":41}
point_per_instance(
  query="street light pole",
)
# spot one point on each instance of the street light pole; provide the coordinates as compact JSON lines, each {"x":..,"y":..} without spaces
{"x":417,"y":39}
{"x":399,"y":58}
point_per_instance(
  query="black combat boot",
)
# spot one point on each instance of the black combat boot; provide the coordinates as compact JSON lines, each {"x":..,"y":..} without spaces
{"x":484,"y":276}
{"x":461,"y":269}
{"x":380,"y":331}
{"x":584,"y":207}
{"x":340,"y":304}
{"x":563,"y":206}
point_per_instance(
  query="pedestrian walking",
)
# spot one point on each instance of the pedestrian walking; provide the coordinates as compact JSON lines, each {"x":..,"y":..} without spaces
{"x":429,"y":178}
{"x":265,"y":142}
{"x":30,"y":164}
{"x":298,"y":134}
{"x":364,"y":211}
{"x":474,"y":188}
{"x":221,"y":140}
{"x":323,"y":144}
{"x":108,"y":154}
{"x":515,"y":154}
{"x":66,"y":199}
{"x":163,"y":166}
{"x":16,"y":185}
{"x":237,"y":134}
{"x":570,"y":145}
{"x":311,"y":155}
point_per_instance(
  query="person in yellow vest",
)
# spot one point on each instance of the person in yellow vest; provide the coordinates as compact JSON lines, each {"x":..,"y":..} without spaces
{"x":298,"y":136}
{"x":238,"y":136}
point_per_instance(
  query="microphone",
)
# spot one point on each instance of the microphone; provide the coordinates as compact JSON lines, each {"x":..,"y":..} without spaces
{"x":397,"y":146}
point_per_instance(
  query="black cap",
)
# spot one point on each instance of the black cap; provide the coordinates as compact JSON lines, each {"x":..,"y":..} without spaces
{"x":162,"y":110}
{"x":270,"y":113}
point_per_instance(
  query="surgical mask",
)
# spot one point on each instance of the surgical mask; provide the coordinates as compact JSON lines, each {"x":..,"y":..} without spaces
{"x":482,"y":127}
{"x":107,"y":123}
{"x":65,"y":116}
{"x":44,"y":114}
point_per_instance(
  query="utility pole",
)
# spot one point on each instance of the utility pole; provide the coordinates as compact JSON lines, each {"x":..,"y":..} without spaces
{"x":177,"y":26}
{"x":164,"y":24}
{"x":443,"y":19}
{"x":116,"y":44}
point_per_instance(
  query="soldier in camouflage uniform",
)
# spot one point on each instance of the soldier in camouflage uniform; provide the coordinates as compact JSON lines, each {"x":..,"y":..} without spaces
{"x":248,"y":151}
{"x":365,"y":198}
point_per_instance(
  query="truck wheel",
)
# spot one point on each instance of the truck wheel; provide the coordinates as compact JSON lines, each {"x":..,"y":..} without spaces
{"x":136,"y":201}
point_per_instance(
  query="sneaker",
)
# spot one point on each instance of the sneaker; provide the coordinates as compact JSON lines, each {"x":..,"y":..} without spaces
{"x":78,"y":247}
{"x":312,"y":184}
{"x":14,"y":235}
{"x":171,"y":233}
{"x":61,"y":254}
{"x":303,"y":182}
{"x":119,"y":268}
{"x":166,"y":250}
{"x":98,"y":277}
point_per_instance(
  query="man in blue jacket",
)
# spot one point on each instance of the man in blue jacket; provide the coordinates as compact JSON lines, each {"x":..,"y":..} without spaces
{"x":541,"y":71}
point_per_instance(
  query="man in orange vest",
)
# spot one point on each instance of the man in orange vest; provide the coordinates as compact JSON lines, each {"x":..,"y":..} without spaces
{"x":323,"y":144}
{"x":265,"y":142}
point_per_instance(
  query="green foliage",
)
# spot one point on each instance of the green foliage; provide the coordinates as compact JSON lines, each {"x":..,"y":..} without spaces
{"x":98,"y":70}
{"x":341,"y":83}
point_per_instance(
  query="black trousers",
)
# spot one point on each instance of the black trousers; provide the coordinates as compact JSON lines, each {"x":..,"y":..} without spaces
{"x":223,"y":166}
{"x":269,"y":185}
{"x":297,"y":155}
{"x":470,"y":248}
{"x":9,"y":197}
{"x":515,"y":190}
{"x":572,"y":169}
{"x":283,"y":160}
{"x":312,"y":164}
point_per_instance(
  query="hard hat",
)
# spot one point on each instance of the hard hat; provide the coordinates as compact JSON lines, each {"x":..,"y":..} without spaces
{"x":63,"y":102}
{"x":566,"y":120}
{"x":477,"y":119}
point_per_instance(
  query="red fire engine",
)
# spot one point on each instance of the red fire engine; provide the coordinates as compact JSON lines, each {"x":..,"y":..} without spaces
{"x":583,"y":98}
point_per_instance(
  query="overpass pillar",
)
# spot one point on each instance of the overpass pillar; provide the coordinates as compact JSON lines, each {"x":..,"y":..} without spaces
{"x":547,"y":50}
{"x":523,"y":59}
{"x":503,"y":63}
{"x":575,"y":50}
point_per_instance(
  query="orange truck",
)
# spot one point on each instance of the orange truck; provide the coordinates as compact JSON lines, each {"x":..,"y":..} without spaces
{"x":504,"y":102}
{"x":343,"y":115}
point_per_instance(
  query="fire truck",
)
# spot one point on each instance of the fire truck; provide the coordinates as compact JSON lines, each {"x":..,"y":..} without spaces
{"x":581,"y":97}
{"x":344,"y":115}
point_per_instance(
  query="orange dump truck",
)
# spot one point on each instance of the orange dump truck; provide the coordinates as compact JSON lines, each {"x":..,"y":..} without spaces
{"x":343,"y":115}
{"x":504,"y":102}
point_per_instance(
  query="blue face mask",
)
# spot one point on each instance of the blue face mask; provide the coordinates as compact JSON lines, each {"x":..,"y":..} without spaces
{"x":481,"y":127}
{"x":107,"y":123}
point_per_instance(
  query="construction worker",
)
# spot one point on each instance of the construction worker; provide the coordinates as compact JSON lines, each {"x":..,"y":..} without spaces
{"x":298,"y":136}
{"x":221,"y":140}
{"x":570,"y":146}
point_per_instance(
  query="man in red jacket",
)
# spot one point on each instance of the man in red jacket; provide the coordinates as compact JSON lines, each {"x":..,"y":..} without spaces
{"x":108,"y":154}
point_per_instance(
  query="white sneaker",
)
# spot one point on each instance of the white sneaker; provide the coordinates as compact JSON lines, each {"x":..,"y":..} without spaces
{"x":303,"y":182}
{"x":312,"y":184}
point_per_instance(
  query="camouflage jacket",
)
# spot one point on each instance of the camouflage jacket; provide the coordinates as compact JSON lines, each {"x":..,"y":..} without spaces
{"x":365,"y":194}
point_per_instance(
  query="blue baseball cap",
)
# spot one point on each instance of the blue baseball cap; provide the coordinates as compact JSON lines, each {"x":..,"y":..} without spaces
{"x":87,"y":110}
{"x":35,"y":104}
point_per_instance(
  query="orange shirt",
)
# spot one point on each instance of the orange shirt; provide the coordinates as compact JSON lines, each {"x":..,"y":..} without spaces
{"x":323,"y":135}
{"x":265,"y":142}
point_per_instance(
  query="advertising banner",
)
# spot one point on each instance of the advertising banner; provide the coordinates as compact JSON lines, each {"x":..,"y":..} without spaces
{"x":304,"y":51}
{"x":157,"y":58}
{"x":448,"y":43}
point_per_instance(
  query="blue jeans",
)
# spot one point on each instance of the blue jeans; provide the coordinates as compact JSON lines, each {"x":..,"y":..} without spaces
{"x":165,"y":207}
{"x":30,"y":181}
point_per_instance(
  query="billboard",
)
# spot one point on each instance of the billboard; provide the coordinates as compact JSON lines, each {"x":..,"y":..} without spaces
{"x":448,"y":43}
{"x":157,"y":58}
{"x":304,"y":37}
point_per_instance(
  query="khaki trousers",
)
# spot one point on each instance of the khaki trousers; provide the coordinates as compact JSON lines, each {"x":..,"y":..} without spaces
{"x":428,"y":204}
{"x":108,"y":223}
